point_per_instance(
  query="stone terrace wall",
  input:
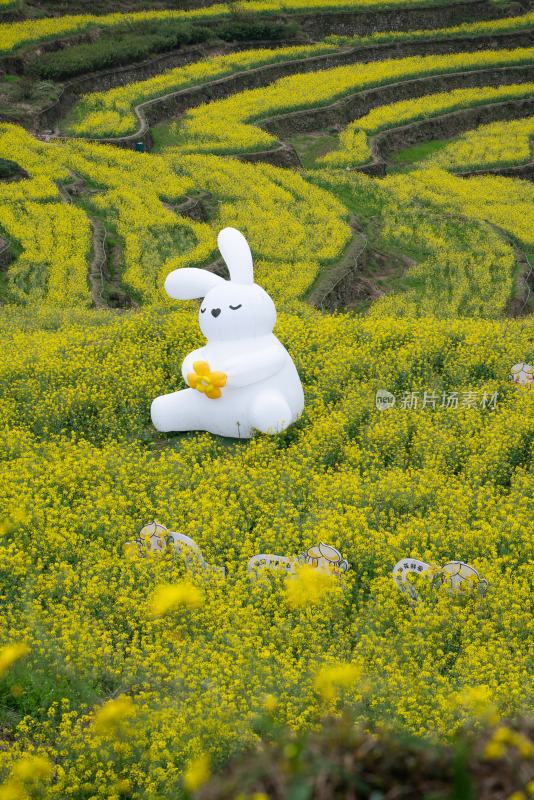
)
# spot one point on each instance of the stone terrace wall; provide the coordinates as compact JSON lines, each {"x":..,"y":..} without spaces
{"x":401,"y":19}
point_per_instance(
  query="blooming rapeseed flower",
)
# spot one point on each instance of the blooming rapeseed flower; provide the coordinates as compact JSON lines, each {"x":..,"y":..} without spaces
{"x":309,"y":586}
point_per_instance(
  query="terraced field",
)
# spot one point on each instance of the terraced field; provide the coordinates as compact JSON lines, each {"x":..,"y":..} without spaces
{"x":377,"y":155}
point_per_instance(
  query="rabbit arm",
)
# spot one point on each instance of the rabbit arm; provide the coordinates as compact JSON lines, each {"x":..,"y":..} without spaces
{"x":187,"y":364}
{"x":255,"y":367}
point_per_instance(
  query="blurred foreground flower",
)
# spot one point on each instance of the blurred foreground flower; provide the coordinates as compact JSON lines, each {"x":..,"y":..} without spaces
{"x":503,"y":738}
{"x":309,"y":586}
{"x":478,"y":702}
{"x":167,"y":597}
{"x":29,"y":770}
{"x":197,"y":772}
{"x":110,"y":716}
{"x":11,"y":653}
{"x":32,"y":768}
{"x":270,"y":703}
{"x":339,"y":676}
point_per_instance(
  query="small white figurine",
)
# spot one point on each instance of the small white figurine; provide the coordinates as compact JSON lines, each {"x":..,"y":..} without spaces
{"x":243,"y":379}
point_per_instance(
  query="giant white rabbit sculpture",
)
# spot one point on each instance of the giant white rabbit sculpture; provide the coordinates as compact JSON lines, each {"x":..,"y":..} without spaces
{"x":243,"y":379}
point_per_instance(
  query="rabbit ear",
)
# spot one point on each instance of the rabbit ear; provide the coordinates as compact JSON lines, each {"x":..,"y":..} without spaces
{"x":236,"y":252}
{"x":190,"y":282}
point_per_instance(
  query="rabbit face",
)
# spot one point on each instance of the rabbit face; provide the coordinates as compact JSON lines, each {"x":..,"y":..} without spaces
{"x":236,"y":311}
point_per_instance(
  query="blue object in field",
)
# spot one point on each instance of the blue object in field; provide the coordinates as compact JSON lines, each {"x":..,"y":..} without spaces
{"x":140,"y":147}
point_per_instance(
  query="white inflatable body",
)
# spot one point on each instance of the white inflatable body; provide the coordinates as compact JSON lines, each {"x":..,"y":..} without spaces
{"x":262,"y":389}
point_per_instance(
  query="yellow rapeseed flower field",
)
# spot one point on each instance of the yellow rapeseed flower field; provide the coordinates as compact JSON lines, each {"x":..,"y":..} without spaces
{"x":493,"y":145}
{"x":126,"y":676}
{"x":353,"y":139}
{"x":227,"y":125}
{"x":15,"y":35}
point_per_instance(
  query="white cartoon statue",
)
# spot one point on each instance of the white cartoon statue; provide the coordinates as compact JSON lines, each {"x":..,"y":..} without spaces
{"x":243,"y":379}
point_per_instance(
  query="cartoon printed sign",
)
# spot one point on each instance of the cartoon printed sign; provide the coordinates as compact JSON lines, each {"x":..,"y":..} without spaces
{"x":156,"y":538}
{"x":457,"y":576}
{"x":462,"y":577}
{"x":270,"y":561}
{"x":325,"y":557}
{"x":322,"y":556}
{"x":522,"y":375}
{"x":402,"y":570}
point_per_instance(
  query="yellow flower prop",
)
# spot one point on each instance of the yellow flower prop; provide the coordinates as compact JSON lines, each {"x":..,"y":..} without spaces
{"x":206,"y":381}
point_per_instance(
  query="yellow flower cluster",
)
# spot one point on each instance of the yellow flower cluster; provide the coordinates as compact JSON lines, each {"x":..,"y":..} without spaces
{"x":110,"y":717}
{"x":27,"y":776}
{"x":329,"y":680}
{"x":10,"y":654}
{"x":197,"y":772}
{"x":169,"y":597}
{"x":503,"y":738}
{"x":205,"y":381}
{"x":286,"y":219}
{"x":226,"y":125}
{"x":355,"y":148}
{"x":494,"y":145}
{"x":506,"y":203}
{"x":309,"y":586}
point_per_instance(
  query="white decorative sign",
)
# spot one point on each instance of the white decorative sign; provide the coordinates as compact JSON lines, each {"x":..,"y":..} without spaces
{"x":463,"y":578}
{"x":457,"y":575}
{"x":401,"y":570}
{"x":323,"y":557}
{"x":522,"y":375}
{"x":271,"y":561}
{"x":156,"y":538}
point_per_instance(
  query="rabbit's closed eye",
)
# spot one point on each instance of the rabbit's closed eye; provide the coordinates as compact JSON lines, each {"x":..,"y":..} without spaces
{"x":202,"y":310}
{"x":234,"y":308}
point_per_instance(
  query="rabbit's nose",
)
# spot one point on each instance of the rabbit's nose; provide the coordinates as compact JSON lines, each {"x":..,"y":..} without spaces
{"x":215,"y":311}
